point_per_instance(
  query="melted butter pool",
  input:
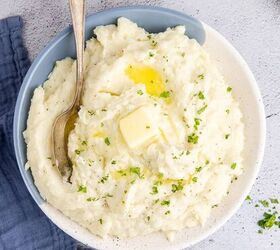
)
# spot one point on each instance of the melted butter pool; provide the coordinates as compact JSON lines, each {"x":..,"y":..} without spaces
{"x":148,"y":76}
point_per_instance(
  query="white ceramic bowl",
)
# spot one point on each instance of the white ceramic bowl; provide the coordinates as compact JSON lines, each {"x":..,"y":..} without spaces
{"x":230,"y":63}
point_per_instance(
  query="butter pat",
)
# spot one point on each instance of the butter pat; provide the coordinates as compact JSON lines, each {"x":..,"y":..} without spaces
{"x":138,"y":128}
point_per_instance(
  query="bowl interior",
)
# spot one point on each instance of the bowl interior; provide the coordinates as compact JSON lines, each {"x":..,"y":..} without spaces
{"x":236,"y":73}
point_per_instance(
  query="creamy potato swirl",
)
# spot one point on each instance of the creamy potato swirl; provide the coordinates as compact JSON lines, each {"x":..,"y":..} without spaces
{"x":128,"y":181}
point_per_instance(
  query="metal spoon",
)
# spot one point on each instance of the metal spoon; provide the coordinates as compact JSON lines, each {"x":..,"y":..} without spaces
{"x":64,"y":123}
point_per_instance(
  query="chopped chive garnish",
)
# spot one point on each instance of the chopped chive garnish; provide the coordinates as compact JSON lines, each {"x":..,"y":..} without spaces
{"x":107,"y":141}
{"x":264,"y":203}
{"x":154,"y":190}
{"x":82,"y":189}
{"x":194,"y":179}
{"x":229,"y":89}
{"x":201,"y":110}
{"x":165,"y":203}
{"x":193,"y":138}
{"x":201,"y":76}
{"x":200,"y":95}
{"x":233,"y":165}
{"x":165,"y":94}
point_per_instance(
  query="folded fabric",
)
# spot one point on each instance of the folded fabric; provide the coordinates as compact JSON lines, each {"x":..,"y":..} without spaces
{"x":22,"y":224}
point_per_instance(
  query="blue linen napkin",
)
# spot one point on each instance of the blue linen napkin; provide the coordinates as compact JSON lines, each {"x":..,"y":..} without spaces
{"x":22,"y":224}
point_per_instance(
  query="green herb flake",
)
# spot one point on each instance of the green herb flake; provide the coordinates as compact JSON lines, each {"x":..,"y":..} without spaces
{"x":277,"y":223}
{"x":233,"y":165}
{"x":148,"y":218}
{"x":107,"y":141}
{"x":229,"y":89}
{"x":140,"y":92}
{"x":77,"y":151}
{"x":267,"y":221}
{"x":178,"y":187}
{"x":201,"y":95}
{"x":84,"y":143}
{"x":198,"y":169}
{"x":165,"y":203}
{"x":227,"y":111}
{"x":201,"y":76}
{"x":107,"y":196}
{"x":196,"y":123}
{"x":82,"y":189}
{"x":167,"y":212}
{"x":274,"y":201}
{"x":156,"y":201}
{"x":248,"y":198}
{"x":149,"y":36}
{"x":201,"y":110}
{"x":154,"y":190}
{"x":194,"y":179}
{"x":260,"y":231}
{"x":121,"y":172}
{"x":165,"y":94}
{"x":227,"y":136}
{"x":92,"y":199}
{"x":154,"y":43}
{"x":137,"y":171}
{"x":265,"y":203}
{"x":91,"y":112}
{"x":104,"y":179}
{"x":113,"y":162}
{"x":100,"y":221}
{"x":90,"y":162}
{"x":151,"y":54}
{"x":193,"y":138}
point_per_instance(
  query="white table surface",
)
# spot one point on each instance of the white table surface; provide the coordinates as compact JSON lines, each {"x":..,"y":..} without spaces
{"x":253,"y":27}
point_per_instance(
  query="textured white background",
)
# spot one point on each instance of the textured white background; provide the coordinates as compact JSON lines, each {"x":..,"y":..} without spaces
{"x":253,"y":27}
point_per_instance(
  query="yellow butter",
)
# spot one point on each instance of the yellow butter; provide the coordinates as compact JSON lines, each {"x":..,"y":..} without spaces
{"x":138,"y":128}
{"x":148,"y":76}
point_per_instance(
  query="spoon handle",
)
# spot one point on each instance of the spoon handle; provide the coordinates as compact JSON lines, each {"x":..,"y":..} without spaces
{"x":77,"y":8}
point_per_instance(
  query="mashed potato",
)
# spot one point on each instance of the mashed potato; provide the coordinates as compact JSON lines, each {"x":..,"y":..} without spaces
{"x":126,"y":180}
